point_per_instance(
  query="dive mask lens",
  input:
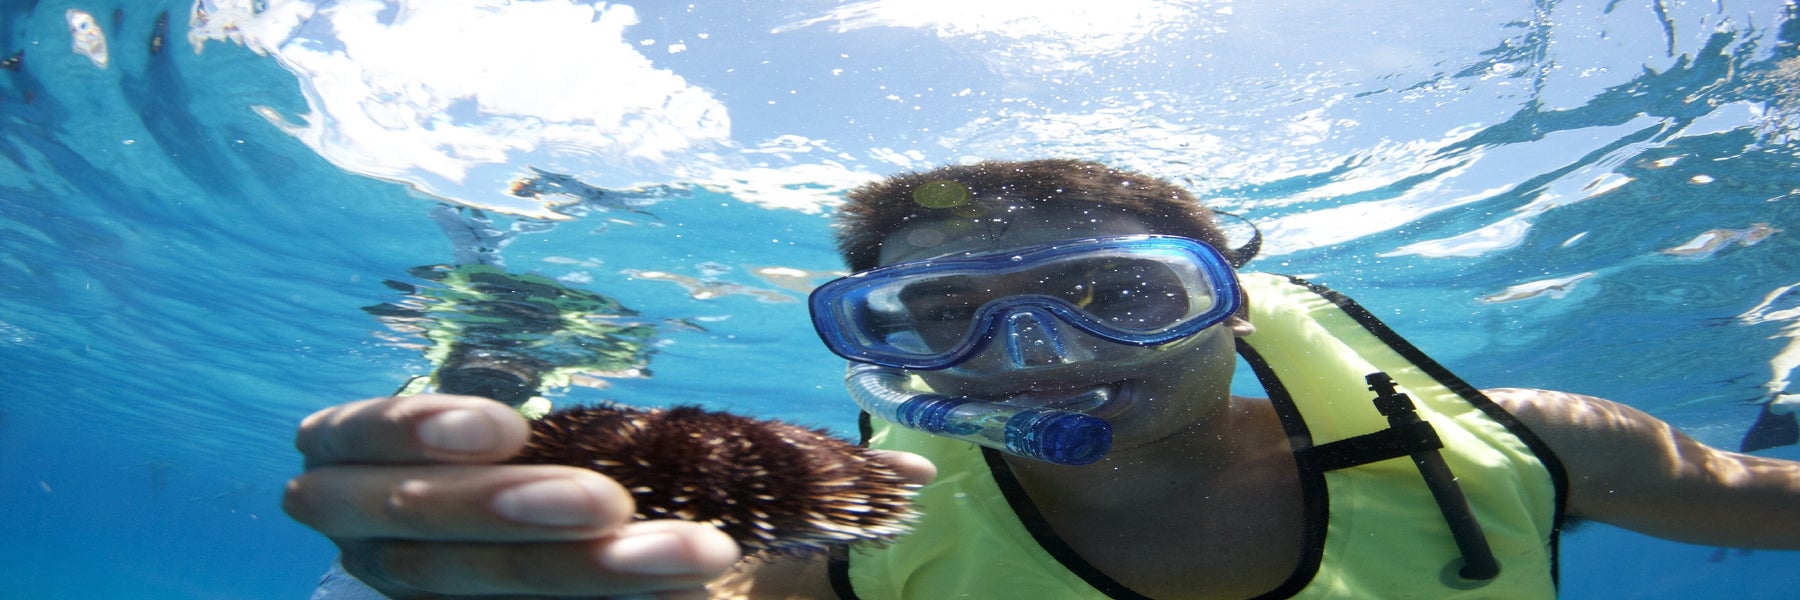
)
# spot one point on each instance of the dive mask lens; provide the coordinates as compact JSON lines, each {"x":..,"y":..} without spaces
{"x":932,"y":314}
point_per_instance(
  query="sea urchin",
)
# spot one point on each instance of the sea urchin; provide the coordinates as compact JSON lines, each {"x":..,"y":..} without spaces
{"x":770,"y":485}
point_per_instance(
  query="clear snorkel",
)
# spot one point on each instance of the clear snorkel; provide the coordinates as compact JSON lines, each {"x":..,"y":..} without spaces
{"x":1057,"y":436}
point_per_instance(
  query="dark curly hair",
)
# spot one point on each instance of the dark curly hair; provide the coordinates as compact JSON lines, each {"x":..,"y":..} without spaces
{"x":878,"y":209}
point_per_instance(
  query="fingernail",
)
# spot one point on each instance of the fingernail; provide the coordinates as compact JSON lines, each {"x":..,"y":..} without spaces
{"x":650,"y":554}
{"x":461,"y":431}
{"x":552,"y":502}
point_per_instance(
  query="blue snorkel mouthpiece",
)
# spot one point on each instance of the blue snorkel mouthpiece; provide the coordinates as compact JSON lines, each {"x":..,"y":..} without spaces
{"x":1057,"y":436}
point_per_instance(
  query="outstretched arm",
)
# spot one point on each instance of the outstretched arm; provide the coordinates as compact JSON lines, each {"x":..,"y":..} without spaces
{"x":414,"y":491}
{"x":1632,"y":470}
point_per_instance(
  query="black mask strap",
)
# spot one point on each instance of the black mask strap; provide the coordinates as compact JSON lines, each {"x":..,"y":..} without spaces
{"x":1243,"y":254}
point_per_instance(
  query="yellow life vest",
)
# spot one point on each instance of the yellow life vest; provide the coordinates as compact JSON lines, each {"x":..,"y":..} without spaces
{"x":1372,"y":529}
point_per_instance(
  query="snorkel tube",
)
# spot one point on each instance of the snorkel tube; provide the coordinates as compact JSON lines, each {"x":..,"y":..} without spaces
{"x":1056,"y":436}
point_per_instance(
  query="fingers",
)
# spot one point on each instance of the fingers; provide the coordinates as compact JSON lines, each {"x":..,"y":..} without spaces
{"x":646,"y":557}
{"x":412,"y":430}
{"x":492,"y":503}
{"x":916,"y":469}
{"x":458,"y":502}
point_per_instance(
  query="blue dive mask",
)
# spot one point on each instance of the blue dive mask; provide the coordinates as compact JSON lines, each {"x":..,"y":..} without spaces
{"x":1139,"y":290}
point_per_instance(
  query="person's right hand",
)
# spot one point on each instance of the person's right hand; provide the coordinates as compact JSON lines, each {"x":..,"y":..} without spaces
{"x":411,"y":490}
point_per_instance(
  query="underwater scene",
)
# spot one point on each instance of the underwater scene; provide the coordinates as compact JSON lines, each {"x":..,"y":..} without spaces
{"x":219,"y":216}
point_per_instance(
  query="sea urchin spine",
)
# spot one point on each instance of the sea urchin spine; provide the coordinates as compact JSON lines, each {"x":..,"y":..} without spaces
{"x":770,"y":485}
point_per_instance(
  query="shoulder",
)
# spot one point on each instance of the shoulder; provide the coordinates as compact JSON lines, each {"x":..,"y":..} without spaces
{"x":1618,"y":460}
{"x":1545,"y":404}
{"x":1605,"y":447}
{"x":1574,"y":423}
{"x":1585,"y":432}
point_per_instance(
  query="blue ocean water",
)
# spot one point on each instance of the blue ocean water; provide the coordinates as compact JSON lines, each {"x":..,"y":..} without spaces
{"x":1598,"y":198}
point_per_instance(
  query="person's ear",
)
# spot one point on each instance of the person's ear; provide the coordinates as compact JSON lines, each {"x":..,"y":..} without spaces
{"x":1239,"y":323}
{"x":1240,"y":326}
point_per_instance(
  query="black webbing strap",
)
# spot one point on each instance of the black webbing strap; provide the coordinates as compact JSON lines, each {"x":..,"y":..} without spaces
{"x":1479,"y":563}
{"x":1393,"y":442}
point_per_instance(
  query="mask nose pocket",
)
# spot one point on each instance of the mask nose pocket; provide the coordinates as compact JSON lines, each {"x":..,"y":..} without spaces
{"x":1034,"y":339}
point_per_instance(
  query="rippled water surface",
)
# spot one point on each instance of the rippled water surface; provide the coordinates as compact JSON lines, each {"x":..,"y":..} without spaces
{"x":199,"y":202}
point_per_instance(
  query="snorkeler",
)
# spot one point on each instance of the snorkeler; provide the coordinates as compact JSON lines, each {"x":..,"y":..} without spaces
{"x":992,"y":302}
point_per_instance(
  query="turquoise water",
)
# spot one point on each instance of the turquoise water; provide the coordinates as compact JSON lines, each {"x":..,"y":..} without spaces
{"x":1599,"y":198}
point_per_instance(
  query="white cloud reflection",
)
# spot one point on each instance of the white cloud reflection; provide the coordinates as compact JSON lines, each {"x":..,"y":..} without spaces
{"x":1036,"y":35}
{"x":458,"y":97}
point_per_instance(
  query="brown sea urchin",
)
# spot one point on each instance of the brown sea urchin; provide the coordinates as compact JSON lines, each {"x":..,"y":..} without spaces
{"x":770,"y":485}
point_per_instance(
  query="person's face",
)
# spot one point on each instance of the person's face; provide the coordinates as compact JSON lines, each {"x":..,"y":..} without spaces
{"x":1152,"y":392}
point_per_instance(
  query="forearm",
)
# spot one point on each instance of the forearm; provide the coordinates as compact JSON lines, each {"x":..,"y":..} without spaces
{"x":1630,"y":469}
{"x":1732,"y":500}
